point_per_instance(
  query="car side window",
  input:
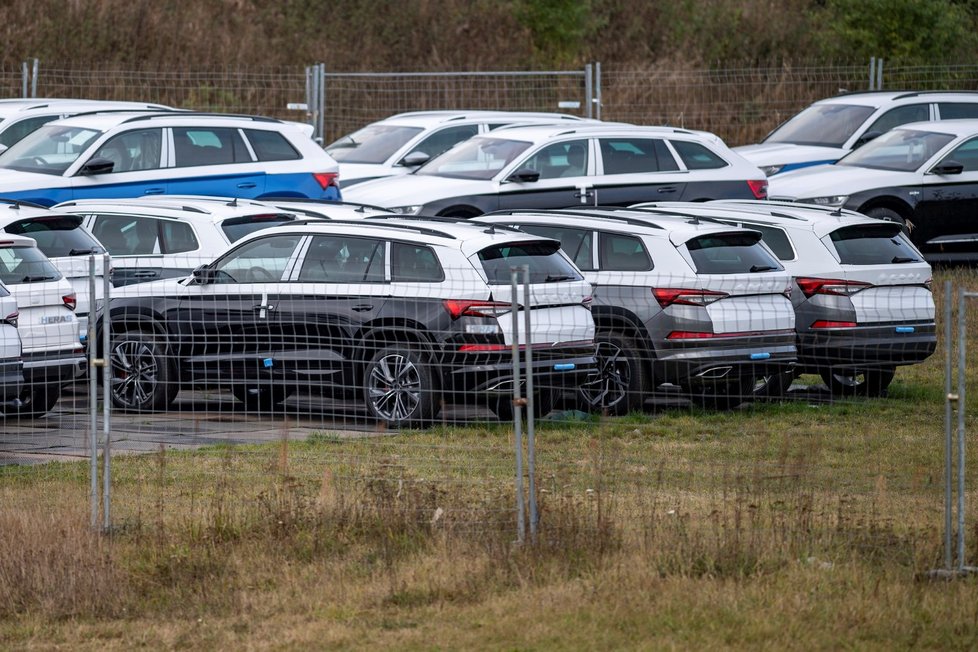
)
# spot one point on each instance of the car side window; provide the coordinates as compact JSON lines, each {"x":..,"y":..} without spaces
{"x":18,"y":130}
{"x":444,"y":140}
{"x":966,"y":154}
{"x":576,"y":243}
{"x":696,"y":156}
{"x":178,"y":237}
{"x":622,"y":253}
{"x":208,"y":146}
{"x":343,"y":259}
{"x":957,"y":110}
{"x":901,"y":115}
{"x":567,"y":159}
{"x":133,"y":150}
{"x":271,"y":146}
{"x":415,"y":263}
{"x":258,"y":261}
{"x":635,"y":155}
{"x":776,"y":239}
{"x":127,"y":235}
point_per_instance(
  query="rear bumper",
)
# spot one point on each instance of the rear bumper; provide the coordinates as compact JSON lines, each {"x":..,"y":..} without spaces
{"x":492,"y":372}
{"x":11,"y":379}
{"x":886,"y":345}
{"x":52,"y":366}
{"x":720,"y":359}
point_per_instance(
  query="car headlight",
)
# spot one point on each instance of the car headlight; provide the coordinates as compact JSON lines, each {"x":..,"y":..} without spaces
{"x":407,"y":210}
{"x":830,"y":200}
{"x":771,"y":170}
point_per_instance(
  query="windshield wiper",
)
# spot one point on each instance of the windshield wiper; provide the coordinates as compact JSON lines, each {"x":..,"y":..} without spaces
{"x":35,"y":279}
{"x":900,"y":259}
{"x":82,"y":252}
{"x":762,"y":268}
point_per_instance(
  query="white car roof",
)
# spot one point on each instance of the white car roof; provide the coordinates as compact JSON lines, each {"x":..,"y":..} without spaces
{"x":956,"y":127}
{"x":880,"y":98}
{"x":106,"y":121}
{"x":182,"y":207}
{"x":429,"y":119}
{"x":11,"y":108}
{"x":545,"y":132}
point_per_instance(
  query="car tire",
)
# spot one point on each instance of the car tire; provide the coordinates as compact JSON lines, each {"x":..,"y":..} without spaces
{"x":888,"y":215}
{"x":618,"y":385}
{"x":261,"y":398}
{"x":774,"y":386}
{"x":722,"y":396}
{"x":543,"y":404}
{"x":399,"y":387}
{"x":35,"y":401}
{"x":142,"y":376}
{"x":867,"y":382}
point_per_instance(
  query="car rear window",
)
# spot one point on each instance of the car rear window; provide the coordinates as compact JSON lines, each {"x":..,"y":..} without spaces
{"x":872,"y":244}
{"x":697,"y":157}
{"x":623,"y":253}
{"x":544,"y":260}
{"x":58,"y":235}
{"x":415,"y":263}
{"x":271,"y":146}
{"x":731,"y":253}
{"x":236,"y":228}
{"x":26,"y":265}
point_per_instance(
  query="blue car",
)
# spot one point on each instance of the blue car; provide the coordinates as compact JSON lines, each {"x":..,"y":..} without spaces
{"x":106,"y":155}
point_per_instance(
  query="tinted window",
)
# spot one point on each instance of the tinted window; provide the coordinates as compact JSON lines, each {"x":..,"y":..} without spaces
{"x":730,"y":253}
{"x":445,"y":139}
{"x":258,"y":261}
{"x":966,"y":154}
{"x":773,"y":237}
{"x":697,"y":157}
{"x":417,"y":263}
{"x":17,"y":130}
{"x":271,"y":146}
{"x":633,"y":155}
{"x":177,"y":237}
{"x":343,"y":259}
{"x":373,"y":144}
{"x":128,"y":235}
{"x":25,"y":265}
{"x":236,"y":228}
{"x":545,"y":263}
{"x":872,"y":244}
{"x":57,"y":236}
{"x":208,"y":146}
{"x":133,"y":150}
{"x":828,"y":125}
{"x":576,"y":243}
{"x":560,"y":160}
{"x":900,"y":116}
{"x":623,"y":253}
{"x":957,"y":110}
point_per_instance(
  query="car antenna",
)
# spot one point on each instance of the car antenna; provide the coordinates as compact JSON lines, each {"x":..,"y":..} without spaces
{"x":491,"y":230}
{"x":233,"y":202}
{"x":837,"y":212}
{"x":694,"y":220}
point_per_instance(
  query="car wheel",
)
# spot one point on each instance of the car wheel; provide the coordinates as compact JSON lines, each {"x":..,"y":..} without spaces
{"x":773,"y":386}
{"x":262,"y":399}
{"x":142,"y":377}
{"x":35,"y":401}
{"x":617,"y":386}
{"x":543,"y":404}
{"x":722,"y":396}
{"x":867,"y":382}
{"x":888,"y":215}
{"x":399,"y":388}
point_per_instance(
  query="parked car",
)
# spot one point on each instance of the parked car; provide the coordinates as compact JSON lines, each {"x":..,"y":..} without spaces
{"x":551,"y":166}
{"x":11,"y":364}
{"x":401,"y":143}
{"x":922,"y":176}
{"x":22,"y":116}
{"x":409,"y":313}
{"x":118,"y":154}
{"x":861,"y":290}
{"x":831,"y":128}
{"x":151,"y":238}
{"x":305,"y":208}
{"x":677,"y":301}
{"x":52,"y":352}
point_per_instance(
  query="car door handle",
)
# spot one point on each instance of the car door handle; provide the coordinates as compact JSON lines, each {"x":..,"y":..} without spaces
{"x":362,"y":307}
{"x":665,"y":189}
{"x":154,"y":191}
{"x":246,"y":184}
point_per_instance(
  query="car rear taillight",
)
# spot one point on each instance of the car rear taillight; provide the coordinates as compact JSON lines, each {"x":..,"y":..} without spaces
{"x":686,"y":296}
{"x":327,"y":179}
{"x":703,"y":335}
{"x":833,"y":286}
{"x":12,"y":318}
{"x":467,"y":308}
{"x":826,"y":324}
{"x":482,"y":348}
{"x":70,"y":301}
{"x":758,"y":187}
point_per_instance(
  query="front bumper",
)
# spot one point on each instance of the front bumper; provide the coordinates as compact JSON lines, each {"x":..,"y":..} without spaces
{"x":876,"y":346}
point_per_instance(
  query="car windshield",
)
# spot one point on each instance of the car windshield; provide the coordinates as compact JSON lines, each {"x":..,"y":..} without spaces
{"x":373,"y":144}
{"x":823,"y":125}
{"x":476,"y":158}
{"x":900,"y":150}
{"x":49,"y":150}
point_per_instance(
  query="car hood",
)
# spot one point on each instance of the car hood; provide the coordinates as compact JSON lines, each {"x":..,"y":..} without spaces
{"x":830,"y":180}
{"x":792,"y":156}
{"x":354,"y":173}
{"x":15,"y":180}
{"x":414,"y":190}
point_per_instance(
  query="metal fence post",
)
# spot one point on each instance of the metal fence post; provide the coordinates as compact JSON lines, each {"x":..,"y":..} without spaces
{"x":962,"y":345}
{"x":517,"y":411}
{"x":588,"y":91}
{"x":321,"y":104}
{"x":34,"y":70}
{"x":92,"y":392}
{"x":872,"y":73}
{"x":23,"y":78}
{"x":106,"y":392}
{"x":530,"y":399}
{"x":597,"y":90}
{"x":949,"y":398}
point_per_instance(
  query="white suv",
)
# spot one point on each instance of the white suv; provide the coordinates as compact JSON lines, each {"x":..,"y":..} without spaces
{"x":831,"y":128}
{"x":11,"y":365}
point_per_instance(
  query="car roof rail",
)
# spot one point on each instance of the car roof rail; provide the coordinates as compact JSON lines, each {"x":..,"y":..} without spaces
{"x":201,"y":114}
{"x":383,"y":225}
{"x":121,"y":202}
{"x":17,"y":203}
{"x":134,"y":109}
{"x":601,"y":212}
{"x":361,"y":208}
{"x":443,"y":219}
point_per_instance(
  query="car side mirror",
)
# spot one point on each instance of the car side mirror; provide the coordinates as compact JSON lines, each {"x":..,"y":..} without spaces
{"x":949,"y":166}
{"x":866,"y":137}
{"x":204,"y":274}
{"x":524,"y":175}
{"x":97,"y":165}
{"x":415,"y":159}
